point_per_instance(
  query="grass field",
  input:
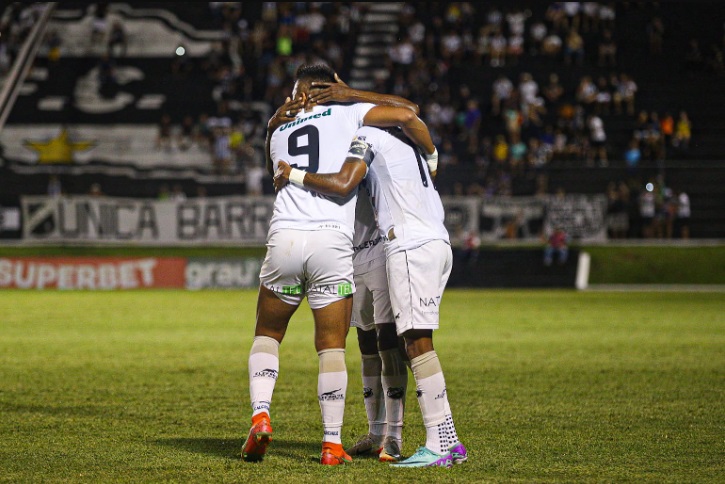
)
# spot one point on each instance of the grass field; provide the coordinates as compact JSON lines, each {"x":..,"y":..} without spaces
{"x":545,"y":386}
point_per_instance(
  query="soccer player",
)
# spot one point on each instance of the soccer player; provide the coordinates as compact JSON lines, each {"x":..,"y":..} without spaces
{"x":384,"y":370}
{"x":309,"y":247}
{"x":419,"y":260}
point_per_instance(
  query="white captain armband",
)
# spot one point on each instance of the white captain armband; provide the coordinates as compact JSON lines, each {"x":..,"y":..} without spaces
{"x":432,"y":160}
{"x":297,"y":177}
{"x":359,"y":148}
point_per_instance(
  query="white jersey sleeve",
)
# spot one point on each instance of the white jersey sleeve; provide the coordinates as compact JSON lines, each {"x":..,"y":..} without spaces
{"x":405,"y":199}
{"x":316,"y":142}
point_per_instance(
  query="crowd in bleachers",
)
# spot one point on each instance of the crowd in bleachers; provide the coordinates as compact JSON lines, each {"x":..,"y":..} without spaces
{"x":513,"y":127}
{"x":16,"y":22}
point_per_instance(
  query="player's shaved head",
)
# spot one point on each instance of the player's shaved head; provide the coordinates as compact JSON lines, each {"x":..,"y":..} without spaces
{"x":306,"y":74}
{"x":315,"y":73}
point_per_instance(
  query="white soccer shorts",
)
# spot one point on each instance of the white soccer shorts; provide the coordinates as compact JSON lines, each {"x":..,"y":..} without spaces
{"x":371,"y":302}
{"x":312,"y":263}
{"x":417,"y":279}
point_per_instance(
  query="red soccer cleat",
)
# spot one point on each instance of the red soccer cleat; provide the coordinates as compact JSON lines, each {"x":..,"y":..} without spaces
{"x":260,"y":436}
{"x":334,"y":455}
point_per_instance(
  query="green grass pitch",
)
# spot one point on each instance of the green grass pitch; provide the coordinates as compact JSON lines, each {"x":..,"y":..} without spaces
{"x":545,"y":386}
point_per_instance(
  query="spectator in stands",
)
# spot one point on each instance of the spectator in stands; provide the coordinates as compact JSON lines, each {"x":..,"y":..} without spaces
{"x":117,"y":44}
{"x":667,"y":127}
{"x":55,"y":189}
{"x":500,"y":150}
{"x":607,"y":15}
{"x":222,"y":155}
{"x":164,"y":133}
{"x":586,"y":91}
{"x":626,"y":90}
{"x":472,"y":124}
{"x":553,"y":91}
{"x":597,"y":140}
{"x":682,"y":223}
{"x":99,"y":24}
{"x":53,"y":42}
{"x":590,"y":17}
{"x":694,"y":59}
{"x":655,"y":35}
{"x":647,"y":208}
{"x":556,"y":15}
{"x":177,"y":193}
{"x":683,"y":133}
{"x":502,"y":89}
{"x":603,"y":99}
{"x":556,"y":247}
{"x":498,"y":49}
{"x":653,"y":138}
{"x":513,"y":120}
{"x":607,"y":50}
{"x":572,"y":10}
{"x":163,"y":193}
{"x":574,"y":48}
{"x":537,"y":34}
{"x":552,"y":44}
{"x":95,"y":190}
{"x":632,"y":156}
{"x":617,"y":216}
{"x":185,"y":134}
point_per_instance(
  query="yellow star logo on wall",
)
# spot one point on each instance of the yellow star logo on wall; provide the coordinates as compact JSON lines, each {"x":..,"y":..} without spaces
{"x":59,"y":149}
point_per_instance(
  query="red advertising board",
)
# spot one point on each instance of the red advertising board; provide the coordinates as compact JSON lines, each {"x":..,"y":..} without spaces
{"x":94,"y":273}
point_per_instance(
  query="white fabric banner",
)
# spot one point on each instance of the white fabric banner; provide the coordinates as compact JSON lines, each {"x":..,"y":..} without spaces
{"x":244,"y":221}
{"x":107,"y":220}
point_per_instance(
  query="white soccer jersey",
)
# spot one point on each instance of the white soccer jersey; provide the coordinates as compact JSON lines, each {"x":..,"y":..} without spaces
{"x":316,"y":142}
{"x":368,"y":241}
{"x":403,"y":194}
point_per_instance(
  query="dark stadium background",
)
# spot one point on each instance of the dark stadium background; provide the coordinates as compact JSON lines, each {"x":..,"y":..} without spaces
{"x":175,"y":109}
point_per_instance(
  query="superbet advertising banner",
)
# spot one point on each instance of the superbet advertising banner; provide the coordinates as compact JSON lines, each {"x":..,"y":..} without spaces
{"x":92,"y":273}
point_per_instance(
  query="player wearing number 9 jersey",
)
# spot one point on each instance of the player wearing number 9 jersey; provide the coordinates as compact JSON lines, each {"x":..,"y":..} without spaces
{"x":309,"y":246}
{"x":410,"y":212}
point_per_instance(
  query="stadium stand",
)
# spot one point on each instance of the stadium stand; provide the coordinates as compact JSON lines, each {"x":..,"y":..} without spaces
{"x":214,"y":72}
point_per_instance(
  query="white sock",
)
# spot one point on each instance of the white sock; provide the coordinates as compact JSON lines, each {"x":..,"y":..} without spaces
{"x":449,"y":425}
{"x":263,"y":372}
{"x":395,"y":383}
{"x":331,"y":389}
{"x":373,"y":393}
{"x":431,"y":391}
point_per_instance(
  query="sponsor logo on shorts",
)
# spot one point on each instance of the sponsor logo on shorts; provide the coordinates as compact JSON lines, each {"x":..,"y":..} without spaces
{"x":396,"y":393}
{"x":367,"y":392}
{"x":292,"y":290}
{"x":266,"y":373}
{"x":370,"y":243}
{"x":429,"y":301}
{"x":332,"y":396}
{"x":344,"y":289}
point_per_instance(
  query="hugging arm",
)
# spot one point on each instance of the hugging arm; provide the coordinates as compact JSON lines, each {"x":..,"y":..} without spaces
{"x":339,"y":184}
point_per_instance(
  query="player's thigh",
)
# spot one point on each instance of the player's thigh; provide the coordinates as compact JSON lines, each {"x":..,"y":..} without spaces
{"x":273,"y":315}
{"x":282,"y":271}
{"x":328,"y":268}
{"x":332,"y":324}
{"x":377,"y":282}
{"x":363,"y":311}
{"x":417,"y":279}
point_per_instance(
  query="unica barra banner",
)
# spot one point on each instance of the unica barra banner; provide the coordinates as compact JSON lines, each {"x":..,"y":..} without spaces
{"x":95,"y":273}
